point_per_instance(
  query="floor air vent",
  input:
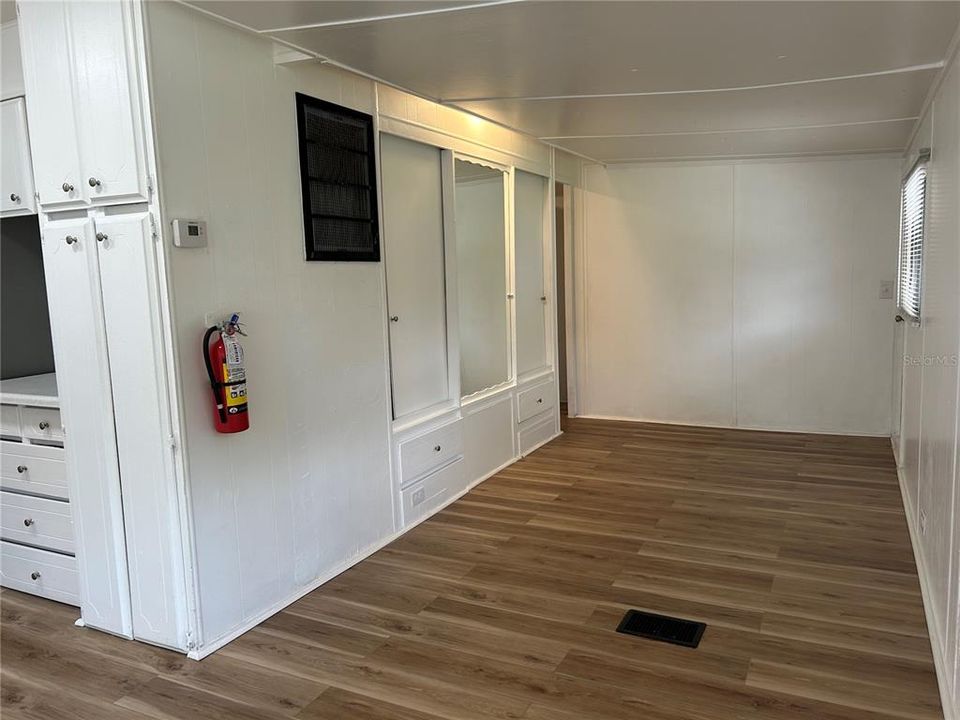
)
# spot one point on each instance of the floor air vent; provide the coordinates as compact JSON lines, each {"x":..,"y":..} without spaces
{"x":662,"y":628}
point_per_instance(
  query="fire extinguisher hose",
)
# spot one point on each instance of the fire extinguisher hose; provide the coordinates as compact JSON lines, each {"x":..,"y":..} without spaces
{"x":214,"y":384}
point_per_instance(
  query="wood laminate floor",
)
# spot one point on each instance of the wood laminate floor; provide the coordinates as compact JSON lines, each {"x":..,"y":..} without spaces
{"x":793,"y":548}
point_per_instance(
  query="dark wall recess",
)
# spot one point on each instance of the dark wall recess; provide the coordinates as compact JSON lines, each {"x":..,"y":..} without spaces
{"x":338,"y":179}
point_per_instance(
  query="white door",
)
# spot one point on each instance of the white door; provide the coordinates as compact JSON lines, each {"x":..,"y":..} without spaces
{"x":108,"y":111}
{"x":128,"y":281}
{"x":83,"y":377}
{"x":16,"y":175}
{"x":416,"y":288}
{"x":530,"y":202}
{"x":48,"y":67}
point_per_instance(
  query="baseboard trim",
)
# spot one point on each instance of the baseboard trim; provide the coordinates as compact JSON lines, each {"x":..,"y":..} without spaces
{"x":214,"y":645}
{"x":950,"y":711}
{"x":721,"y":426}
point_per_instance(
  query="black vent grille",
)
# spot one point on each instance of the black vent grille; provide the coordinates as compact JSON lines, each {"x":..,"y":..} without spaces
{"x":338,"y":179}
{"x":662,"y":627}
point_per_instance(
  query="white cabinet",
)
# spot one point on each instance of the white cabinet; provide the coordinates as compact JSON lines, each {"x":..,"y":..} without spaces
{"x":530,"y":194}
{"x":16,"y":175}
{"x":416,"y":287}
{"x":82,"y":88}
{"x":83,"y":375}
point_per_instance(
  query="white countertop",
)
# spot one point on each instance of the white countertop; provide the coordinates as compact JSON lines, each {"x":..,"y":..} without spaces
{"x":35,"y":390}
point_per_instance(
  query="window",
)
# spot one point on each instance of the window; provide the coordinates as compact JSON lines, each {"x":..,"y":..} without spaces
{"x":912,"y":204}
{"x":338,"y":181}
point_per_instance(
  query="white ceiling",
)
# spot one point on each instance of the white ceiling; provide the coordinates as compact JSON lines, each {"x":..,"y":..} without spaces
{"x":620,"y":81}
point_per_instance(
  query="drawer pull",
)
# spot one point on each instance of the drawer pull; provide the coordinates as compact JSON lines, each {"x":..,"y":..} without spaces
{"x":35,"y":575}
{"x":43,"y":425}
{"x":27,"y":522}
{"x":436,"y":448}
{"x":21,"y":469}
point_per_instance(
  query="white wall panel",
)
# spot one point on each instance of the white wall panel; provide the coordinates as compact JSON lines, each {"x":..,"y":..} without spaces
{"x":930,"y":406}
{"x":741,"y":293}
{"x":814,"y":240}
{"x":658,"y":262}
{"x":307,"y":487}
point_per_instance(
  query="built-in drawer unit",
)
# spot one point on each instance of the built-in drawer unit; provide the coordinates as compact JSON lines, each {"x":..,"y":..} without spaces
{"x":9,"y":421}
{"x":33,"y":469}
{"x":427,"y":452}
{"x":535,"y":433}
{"x":39,"y":423}
{"x":40,"y":572}
{"x":36,"y":521}
{"x":535,"y":400}
{"x":429,"y":493}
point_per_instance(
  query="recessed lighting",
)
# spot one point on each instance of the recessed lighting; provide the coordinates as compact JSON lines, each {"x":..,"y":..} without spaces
{"x":781,"y":57}
{"x":634,"y":69}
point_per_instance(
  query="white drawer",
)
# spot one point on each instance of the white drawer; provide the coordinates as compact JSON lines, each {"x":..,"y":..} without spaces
{"x":534,"y":434}
{"x":35,"y":469}
{"x":9,"y":420}
{"x":535,"y":400}
{"x":41,"y":423}
{"x":40,"y":572}
{"x":429,"y":451}
{"x":426,"y":495}
{"x":36,"y":521}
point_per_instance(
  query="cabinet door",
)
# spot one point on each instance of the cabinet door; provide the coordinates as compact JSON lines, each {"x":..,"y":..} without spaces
{"x":108,"y":102}
{"x":416,"y":288}
{"x":47,"y":69}
{"x":128,"y":281}
{"x":16,"y":175}
{"x":83,"y":378}
{"x":530,"y":192}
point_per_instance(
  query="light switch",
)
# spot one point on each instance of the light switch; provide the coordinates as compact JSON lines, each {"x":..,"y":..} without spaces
{"x":886,"y":289}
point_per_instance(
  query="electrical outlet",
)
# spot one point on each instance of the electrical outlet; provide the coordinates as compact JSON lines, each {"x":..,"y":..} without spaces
{"x":923,"y":522}
{"x":419,"y":495}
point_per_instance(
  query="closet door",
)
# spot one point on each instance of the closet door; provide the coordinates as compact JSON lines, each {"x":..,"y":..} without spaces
{"x":128,"y":281}
{"x":530,"y":193}
{"x":86,"y":406}
{"x":108,"y":115}
{"x":416,"y":290}
{"x":47,"y":69}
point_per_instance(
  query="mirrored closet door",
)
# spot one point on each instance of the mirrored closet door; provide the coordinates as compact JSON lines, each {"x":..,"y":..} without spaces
{"x":530,"y":203}
{"x":411,"y":174}
{"x":482,"y":277}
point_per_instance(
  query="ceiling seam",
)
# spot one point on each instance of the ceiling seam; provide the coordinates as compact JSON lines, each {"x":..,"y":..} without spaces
{"x":703,"y":91}
{"x":853,"y":123}
{"x":381,"y":18}
{"x":753,"y":156}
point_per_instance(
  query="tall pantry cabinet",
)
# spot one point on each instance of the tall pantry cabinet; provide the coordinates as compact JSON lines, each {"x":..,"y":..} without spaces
{"x":84,"y":75}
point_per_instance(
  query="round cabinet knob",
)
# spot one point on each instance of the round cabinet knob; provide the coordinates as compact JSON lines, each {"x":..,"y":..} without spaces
{"x":394,"y":318}
{"x":21,"y":469}
{"x":540,"y":401}
{"x":436,"y":448}
{"x":27,"y":522}
{"x":14,"y":197}
{"x":101,"y":237}
{"x":94,"y":182}
{"x":67,"y":187}
{"x":35,"y":575}
{"x":543,"y":298}
{"x":43,"y":425}
{"x":71,"y":239}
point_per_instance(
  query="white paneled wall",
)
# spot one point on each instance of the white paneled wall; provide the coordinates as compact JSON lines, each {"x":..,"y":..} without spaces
{"x":307,"y":491}
{"x":928,"y":443}
{"x":740,"y":294}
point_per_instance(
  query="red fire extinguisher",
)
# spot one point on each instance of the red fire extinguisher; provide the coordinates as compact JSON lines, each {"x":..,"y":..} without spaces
{"x":228,"y":379}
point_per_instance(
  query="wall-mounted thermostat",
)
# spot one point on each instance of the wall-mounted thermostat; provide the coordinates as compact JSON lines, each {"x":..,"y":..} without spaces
{"x":189,"y":233}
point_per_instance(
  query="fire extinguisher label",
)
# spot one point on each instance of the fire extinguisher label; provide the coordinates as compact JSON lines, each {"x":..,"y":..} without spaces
{"x":234,"y":375}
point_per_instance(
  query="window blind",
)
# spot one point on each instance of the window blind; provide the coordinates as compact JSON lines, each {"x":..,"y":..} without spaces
{"x":910,"y":273}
